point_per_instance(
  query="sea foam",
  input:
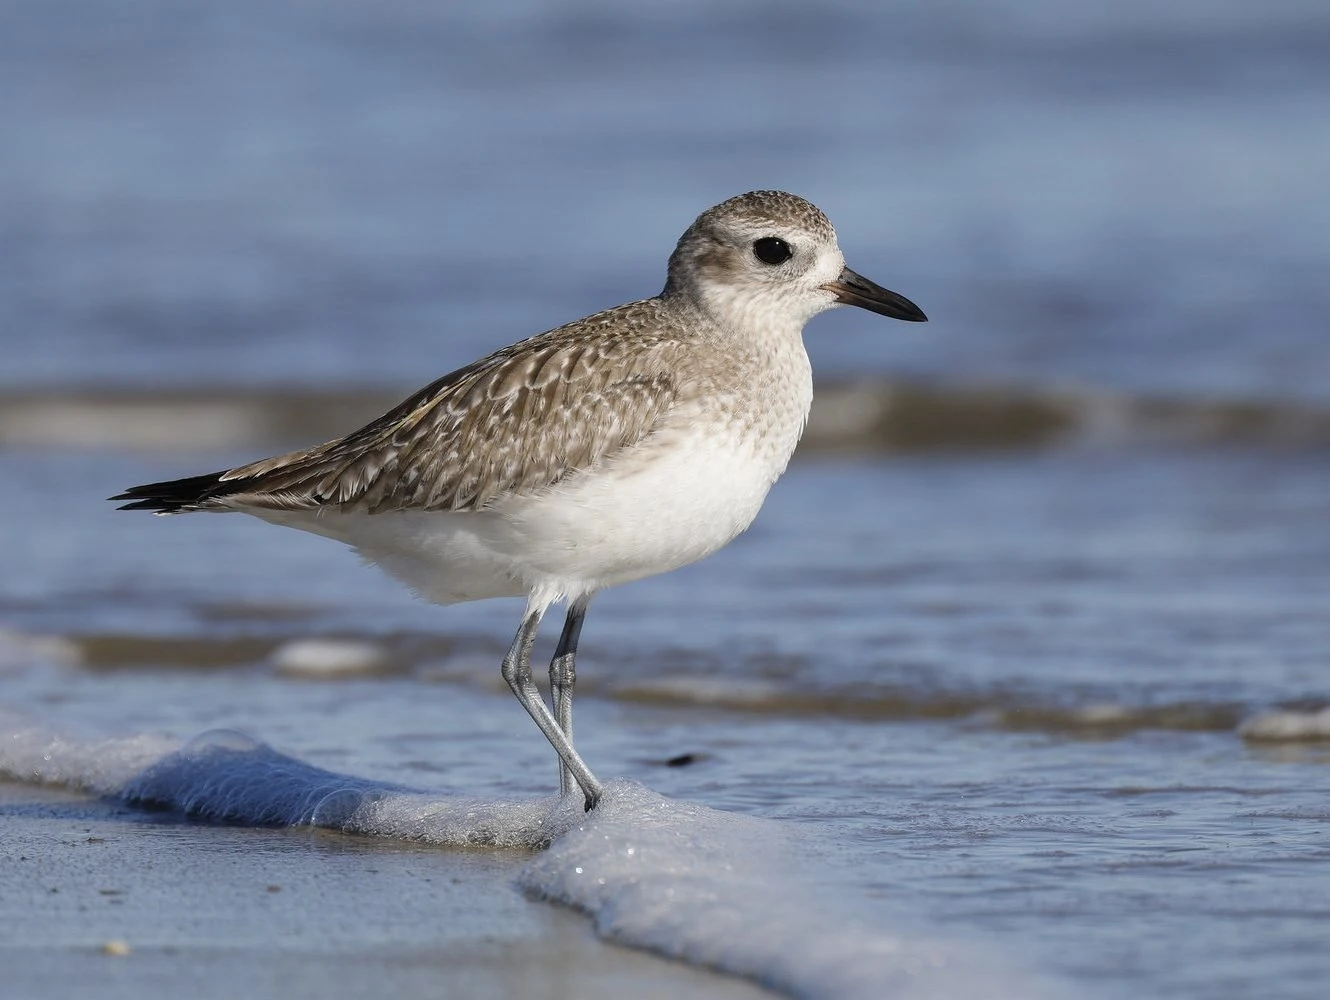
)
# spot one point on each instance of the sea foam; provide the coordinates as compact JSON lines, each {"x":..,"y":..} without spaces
{"x":733,"y":893}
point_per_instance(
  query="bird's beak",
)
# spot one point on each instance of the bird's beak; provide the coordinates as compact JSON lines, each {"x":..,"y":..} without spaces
{"x":856,"y":290}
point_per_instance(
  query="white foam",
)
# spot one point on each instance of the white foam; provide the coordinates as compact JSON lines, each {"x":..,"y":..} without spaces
{"x":742,"y":895}
{"x":1287,"y":726}
{"x":35,"y":752}
{"x":714,"y":889}
{"x":21,"y":650}
{"x":330,"y":658}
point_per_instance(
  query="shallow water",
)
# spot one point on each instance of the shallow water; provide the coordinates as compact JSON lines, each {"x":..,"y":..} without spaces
{"x":1003,"y":695}
{"x":1053,"y":691}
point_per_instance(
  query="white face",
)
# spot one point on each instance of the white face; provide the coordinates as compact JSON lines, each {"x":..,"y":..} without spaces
{"x":745,"y":271}
{"x":767,"y":261}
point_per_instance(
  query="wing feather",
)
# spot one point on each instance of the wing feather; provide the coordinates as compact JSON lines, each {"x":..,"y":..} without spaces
{"x":517,"y":422}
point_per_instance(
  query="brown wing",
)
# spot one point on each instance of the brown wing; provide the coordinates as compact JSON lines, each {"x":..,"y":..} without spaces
{"x":513,"y":423}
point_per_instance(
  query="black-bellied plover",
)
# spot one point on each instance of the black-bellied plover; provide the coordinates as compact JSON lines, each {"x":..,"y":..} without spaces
{"x":622,"y":445}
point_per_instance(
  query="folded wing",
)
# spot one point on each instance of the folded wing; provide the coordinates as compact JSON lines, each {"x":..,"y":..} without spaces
{"x":516,"y":422}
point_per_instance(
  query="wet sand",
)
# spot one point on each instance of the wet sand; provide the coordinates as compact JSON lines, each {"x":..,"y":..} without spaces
{"x":101,"y":900}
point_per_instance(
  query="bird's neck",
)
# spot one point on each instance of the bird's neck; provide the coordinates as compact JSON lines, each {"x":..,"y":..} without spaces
{"x":747,"y":320}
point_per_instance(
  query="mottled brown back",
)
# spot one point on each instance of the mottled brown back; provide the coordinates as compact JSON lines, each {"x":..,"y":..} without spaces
{"x":513,"y":423}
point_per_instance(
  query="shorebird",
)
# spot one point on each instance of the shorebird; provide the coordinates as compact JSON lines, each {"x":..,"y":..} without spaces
{"x":619,"y":446}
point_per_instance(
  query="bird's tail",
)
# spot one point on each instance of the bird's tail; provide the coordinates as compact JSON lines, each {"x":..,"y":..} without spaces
{"x":176,"y":495}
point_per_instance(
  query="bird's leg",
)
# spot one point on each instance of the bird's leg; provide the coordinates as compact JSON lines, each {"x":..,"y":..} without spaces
{"x":517,"y":672}
{"x":563,"y":675}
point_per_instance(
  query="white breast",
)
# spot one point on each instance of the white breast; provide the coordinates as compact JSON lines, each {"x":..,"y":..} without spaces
{"x":647,"y":516}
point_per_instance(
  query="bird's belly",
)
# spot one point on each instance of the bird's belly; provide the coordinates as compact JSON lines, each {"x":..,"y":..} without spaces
{"x":444,"y":556}
{"x":652,"y":511}
{"x":644,"y":515}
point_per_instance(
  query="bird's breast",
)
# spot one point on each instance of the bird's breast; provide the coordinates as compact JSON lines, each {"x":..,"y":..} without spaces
{"x":677,"y":496}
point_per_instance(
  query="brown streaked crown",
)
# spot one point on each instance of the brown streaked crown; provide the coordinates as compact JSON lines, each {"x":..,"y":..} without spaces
{"x":779,"y":209}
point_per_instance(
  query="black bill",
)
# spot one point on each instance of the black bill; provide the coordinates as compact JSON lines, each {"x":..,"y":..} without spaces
{"x":856,"y":290}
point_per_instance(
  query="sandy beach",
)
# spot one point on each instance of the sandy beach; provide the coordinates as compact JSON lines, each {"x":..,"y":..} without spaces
{"x":220,"y":911}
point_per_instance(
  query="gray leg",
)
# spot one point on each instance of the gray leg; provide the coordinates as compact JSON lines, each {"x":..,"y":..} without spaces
{"x":517,"y":672}
{"x":563,"y":675}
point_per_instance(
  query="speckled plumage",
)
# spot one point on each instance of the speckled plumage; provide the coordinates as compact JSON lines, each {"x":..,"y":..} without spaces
{"x":514,"y":423}
{"x":621,"y":445}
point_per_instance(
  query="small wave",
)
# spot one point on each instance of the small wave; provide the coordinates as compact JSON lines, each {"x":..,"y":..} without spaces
{"x":1000,"y":709}
{"x":225,"y":776}
{"x":454,"y":659}
{"x":323,"y":658}
{"x":713,"y":889}
{"x":870,"y":415}
{"x":881,"y":415}
{"x":1115,"y":718}
{"x":23,"y":650}
{"x":1287,"y":726}
{"x":293,"y":654}
{"x":182,"y":420}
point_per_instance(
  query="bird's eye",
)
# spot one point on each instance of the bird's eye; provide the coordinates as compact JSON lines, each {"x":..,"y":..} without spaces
{"x":770,"y":250}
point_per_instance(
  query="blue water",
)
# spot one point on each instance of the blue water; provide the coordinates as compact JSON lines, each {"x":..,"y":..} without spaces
{"x":1032,"y":697}
{"x":1129,"y":195}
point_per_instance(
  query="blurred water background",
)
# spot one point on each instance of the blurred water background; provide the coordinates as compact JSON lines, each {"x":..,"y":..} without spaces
{"x":1033,"y":639}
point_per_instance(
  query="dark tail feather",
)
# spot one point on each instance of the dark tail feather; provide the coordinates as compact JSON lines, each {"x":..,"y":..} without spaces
{"x":174,"y":496}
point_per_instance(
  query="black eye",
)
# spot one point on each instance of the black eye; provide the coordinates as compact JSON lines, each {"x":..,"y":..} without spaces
{"x":770,"y":250}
